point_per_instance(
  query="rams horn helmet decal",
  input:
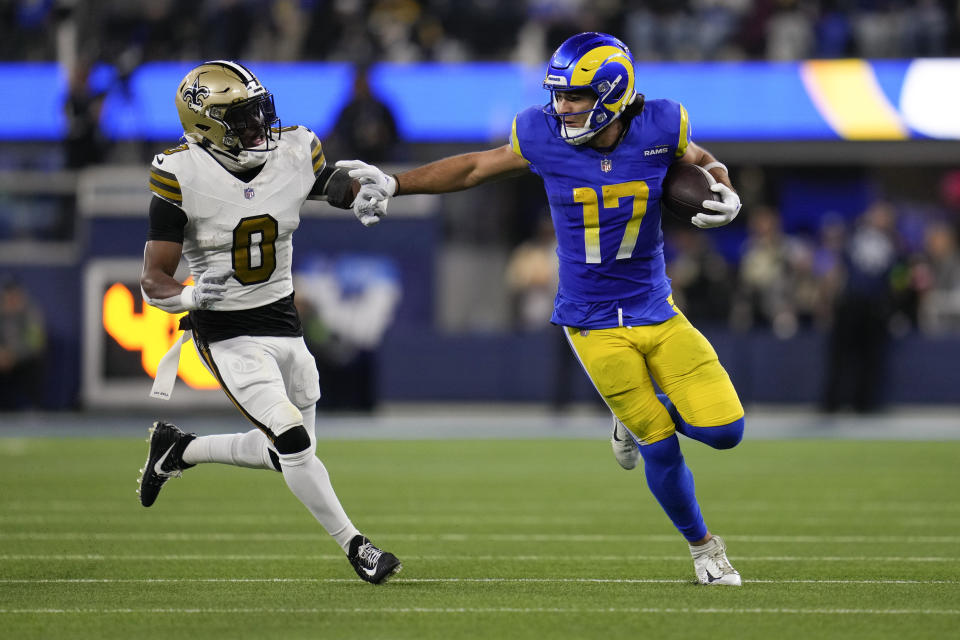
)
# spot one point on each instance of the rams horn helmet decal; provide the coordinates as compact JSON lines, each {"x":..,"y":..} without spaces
{"x":600,"y":63}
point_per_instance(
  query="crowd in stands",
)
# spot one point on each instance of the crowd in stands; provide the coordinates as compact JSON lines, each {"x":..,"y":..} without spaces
{"x":900,"y":265}
{"x":128,"y":32}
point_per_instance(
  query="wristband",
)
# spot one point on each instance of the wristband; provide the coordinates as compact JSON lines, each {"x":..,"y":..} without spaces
{"x":715,"y":165}
{"x":186,"y":298}
{"x":392,"y":186}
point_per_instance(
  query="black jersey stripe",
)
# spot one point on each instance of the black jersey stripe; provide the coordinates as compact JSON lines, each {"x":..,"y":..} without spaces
{"x":168,"y":177}
{"x":165,"y":184}
{"x":163,"y":191}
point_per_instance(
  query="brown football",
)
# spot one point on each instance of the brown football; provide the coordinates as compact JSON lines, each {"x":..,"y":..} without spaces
{"x":685,"y":187}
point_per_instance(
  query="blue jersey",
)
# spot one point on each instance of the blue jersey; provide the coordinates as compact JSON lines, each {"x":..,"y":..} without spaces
{"x":606,"y":212}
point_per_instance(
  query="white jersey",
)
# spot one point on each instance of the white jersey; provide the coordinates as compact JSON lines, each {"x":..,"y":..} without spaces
{"x":244,"y":226}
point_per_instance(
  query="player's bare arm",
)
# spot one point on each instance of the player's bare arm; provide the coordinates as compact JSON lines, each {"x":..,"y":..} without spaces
{"x":160,"y":260}
{"x":696,"y":154}
{"x":460,"y":172}
{"x":160,"y":289}
{"x":454,"y":173}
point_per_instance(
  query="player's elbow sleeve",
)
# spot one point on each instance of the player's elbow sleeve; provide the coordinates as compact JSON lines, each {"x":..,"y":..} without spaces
{"x":339,"y":190}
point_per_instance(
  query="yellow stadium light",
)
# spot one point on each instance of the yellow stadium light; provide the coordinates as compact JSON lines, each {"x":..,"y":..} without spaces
{"x":151,"y":332}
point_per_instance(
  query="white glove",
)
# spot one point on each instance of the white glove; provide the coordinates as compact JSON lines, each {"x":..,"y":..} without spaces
{"x":370,"y":204}
{"x":368,"y":174}
{"x":210,"y":288}
{"x":726,"y":210}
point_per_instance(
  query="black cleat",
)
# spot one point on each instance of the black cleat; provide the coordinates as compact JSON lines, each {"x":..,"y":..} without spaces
{"x":372,"y":564}
{"x":164,"y":459}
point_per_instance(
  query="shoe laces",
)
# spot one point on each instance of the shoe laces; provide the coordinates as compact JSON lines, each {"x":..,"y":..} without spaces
{"x":369,"y":554}
{"x":719,"y":558}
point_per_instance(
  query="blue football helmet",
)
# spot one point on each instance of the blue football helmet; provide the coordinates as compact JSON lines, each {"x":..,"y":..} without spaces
{"x":594,"y":61}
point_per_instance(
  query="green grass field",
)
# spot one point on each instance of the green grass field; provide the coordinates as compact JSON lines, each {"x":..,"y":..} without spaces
{"x":499,"y":539}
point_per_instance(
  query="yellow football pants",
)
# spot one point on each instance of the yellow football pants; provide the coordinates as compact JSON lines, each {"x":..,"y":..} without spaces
{"x":621,"y":361}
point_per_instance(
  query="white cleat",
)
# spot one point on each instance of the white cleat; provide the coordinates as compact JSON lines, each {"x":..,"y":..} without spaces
{"x":711,"y":564}
{"x":625,"y":448}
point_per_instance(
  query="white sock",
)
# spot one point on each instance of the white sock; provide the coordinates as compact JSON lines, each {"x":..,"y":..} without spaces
{"x":698,"y":549}
{"x":239,"y":449}
{"x":309,"y":481}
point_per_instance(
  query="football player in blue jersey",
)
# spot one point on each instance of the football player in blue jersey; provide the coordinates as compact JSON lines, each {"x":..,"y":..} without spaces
{"x":602,"y":151}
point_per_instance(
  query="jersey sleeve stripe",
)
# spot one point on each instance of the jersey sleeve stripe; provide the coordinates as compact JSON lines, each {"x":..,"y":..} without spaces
{"x":164,"y":177}
{"x":514,"y":141}
{"x":318,"y":164}
{"x":170,"y":196}
{"x":165,"y":184}
{"x":684,"y":132}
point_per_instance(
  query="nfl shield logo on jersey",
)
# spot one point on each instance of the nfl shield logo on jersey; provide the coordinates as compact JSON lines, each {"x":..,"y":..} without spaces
{"x":248,"y":193}
{"x":606,"y":165}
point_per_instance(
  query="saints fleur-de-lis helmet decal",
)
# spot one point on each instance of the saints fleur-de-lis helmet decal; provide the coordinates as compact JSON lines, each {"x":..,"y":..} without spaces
{"x":194,"y":95}
{"x":222,"y":103}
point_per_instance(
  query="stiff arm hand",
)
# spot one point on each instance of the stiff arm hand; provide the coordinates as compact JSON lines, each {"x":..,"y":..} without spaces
{"x":376,"y":188}
{"x":367,"y":174}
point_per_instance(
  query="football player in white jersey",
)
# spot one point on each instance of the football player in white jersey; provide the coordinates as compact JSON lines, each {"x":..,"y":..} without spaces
{"x":228,"y":200}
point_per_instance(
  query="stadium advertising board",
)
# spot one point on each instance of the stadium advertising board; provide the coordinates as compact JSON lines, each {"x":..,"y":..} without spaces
{"x":125,"y":340}
{"x":746,"y":101}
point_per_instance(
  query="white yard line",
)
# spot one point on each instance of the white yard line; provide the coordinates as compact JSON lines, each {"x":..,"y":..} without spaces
{"x":438,"y":580}
{"x":461,"y":537}
{"x":484,"y":512}
{"x":485,"y":610}
{"x":212,"y":557}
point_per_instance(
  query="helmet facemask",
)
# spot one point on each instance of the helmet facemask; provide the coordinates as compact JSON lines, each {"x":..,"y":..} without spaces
{"x":598,"y":116}
{"x":247,"y":125}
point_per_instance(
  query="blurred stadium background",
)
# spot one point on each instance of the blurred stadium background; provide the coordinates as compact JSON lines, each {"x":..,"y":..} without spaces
{"x":833,"y":301}
{"x":836,"y":290}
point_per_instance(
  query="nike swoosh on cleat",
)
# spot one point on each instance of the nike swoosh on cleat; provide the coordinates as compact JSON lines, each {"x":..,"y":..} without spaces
{"x":158,"y":467}
{"x":370,"y":572}
{"x":710,"y":578}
